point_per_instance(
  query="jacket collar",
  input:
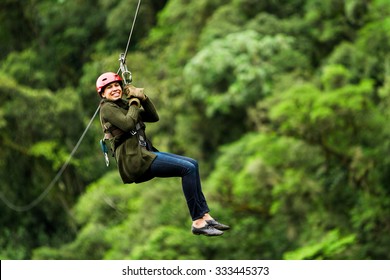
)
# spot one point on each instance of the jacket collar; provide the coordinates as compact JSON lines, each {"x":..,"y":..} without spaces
{"x":120,"y":102}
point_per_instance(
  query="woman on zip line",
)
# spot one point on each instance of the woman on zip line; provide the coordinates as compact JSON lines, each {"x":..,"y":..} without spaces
{"x":138,"y":161}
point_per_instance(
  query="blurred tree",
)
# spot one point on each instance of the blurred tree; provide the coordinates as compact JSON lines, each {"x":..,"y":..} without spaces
{"x":228,"y":76}
{"x":15,"y":20}
{"x":345,"y":124}
{"x":295,"y":92}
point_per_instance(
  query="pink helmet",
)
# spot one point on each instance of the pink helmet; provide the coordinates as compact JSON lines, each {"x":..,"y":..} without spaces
{"x":105,"y":79}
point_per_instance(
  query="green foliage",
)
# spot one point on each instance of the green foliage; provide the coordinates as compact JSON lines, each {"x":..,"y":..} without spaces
{"x":15,"y":18}
{"x":328,"y":247}
{"x":128,"y":222}
{"x":284,"y":103}
{"x":378,"y":10}
{"x":236,"y":71}
{"x":24,"y":67}
{"x":11,"y":244}
{"x":49,"y":150}
{"x":355,"y":11}
{"x":88,"y":245}
{"x":335,"y":76}
{"x":36,"y":141}
{"x":374,"y":42}
{"x":265,"y":179}
{"x":330,"y":118}
{"x":168,"y":243}
{"x":327,"y":19}
{"x":349,"y":56}
{"x":118,"y":30}
{"x":226,"y":20}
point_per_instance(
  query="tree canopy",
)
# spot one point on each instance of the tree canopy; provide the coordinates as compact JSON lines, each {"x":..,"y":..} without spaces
{"x":285,"y":104}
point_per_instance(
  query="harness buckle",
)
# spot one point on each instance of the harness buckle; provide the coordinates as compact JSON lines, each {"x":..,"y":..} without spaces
{"x":142,"y":143}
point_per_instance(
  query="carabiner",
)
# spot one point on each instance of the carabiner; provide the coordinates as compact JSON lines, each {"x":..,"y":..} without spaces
{"x":126,"y":74}
{"x":105,"y":151}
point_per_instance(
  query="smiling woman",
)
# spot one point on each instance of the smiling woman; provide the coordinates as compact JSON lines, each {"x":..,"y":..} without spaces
{"x":113,"y":91}
{"x":138,"y":161}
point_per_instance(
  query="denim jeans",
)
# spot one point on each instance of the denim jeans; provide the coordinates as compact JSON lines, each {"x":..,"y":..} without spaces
{"x":171,"y":165}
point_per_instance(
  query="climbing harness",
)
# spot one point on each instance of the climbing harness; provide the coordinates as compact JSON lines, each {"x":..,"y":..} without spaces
{"x":127,"y":78}
{"x":110,"y":132}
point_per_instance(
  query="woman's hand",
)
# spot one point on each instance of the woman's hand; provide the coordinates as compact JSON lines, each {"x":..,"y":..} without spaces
{"x":134,"y":92}
{"x":135,"y":101}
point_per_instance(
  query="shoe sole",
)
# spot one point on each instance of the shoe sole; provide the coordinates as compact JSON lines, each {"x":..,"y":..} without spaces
{"x":223,"y":229}
{"x":195,"y":233}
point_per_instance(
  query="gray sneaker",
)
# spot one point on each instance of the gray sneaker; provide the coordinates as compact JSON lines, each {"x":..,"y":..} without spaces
{"x":206,"y":230}
{"x":217,"y":225}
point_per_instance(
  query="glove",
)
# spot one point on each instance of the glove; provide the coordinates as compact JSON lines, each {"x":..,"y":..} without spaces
{"x":131,"y":92}
{"x":135,"y":101}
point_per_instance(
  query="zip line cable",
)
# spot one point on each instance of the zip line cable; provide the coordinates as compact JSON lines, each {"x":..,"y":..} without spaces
{"x":122,"y":57}
{"x":132,"y":28}
{"x":56,"y":178}
{"x":36,"y":201}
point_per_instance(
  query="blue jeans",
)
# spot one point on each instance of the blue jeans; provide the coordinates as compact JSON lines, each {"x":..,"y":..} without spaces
{"x":170,"y":165}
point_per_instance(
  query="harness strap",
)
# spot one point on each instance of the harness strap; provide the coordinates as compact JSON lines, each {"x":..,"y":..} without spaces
{"x":111,"y":132}
{"x":141,"y":140}
{"x":138,"y":127}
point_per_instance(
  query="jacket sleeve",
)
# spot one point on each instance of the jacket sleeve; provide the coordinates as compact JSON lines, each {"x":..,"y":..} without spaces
{"x":149,"y":112}
{"x":115,"y":116}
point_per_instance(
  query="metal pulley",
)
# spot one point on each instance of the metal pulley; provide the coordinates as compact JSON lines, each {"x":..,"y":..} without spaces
{"x":126,"y":74}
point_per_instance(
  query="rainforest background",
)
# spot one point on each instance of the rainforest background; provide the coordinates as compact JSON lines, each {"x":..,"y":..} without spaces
{"x":285,"y":103}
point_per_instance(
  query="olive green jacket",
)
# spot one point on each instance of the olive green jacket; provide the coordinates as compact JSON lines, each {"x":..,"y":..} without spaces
{"x":120,"y":119}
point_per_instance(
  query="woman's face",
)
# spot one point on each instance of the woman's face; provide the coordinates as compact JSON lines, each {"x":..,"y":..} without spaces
{"x":112,"y":91}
